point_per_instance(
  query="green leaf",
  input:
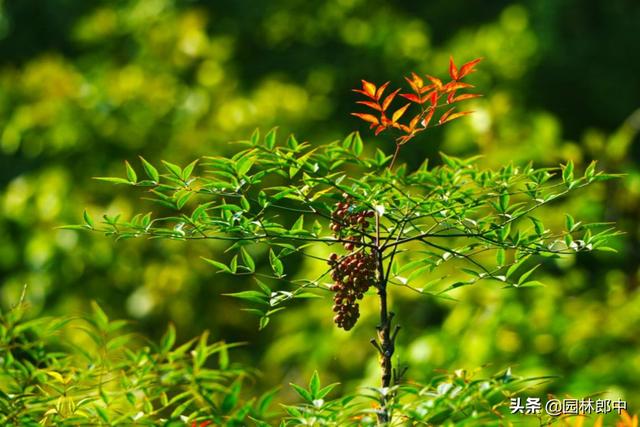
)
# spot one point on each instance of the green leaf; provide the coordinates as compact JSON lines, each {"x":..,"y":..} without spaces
{"x":173,"y":169}
{"x":357,"y":144}
{"x":567,"y":172}
{"x":150,"y":170}
{"x":168,"y":339}
{"x":270,"y":138}
{"x":501,"y":256}
{"x":302,"y":392}
{"x":292,"y":142}
{"x":248,"y":261}
{"x":299,"y":224}
{"x":526,"y":275}
{"x":314,"y":385}
{"x":131,"y":174}
{"x":88,"y":219}
{"x":276,"y":264}
{"x":569,"y":222}
{"x":504,"y":201}
{"x":188,"y":170}
{"x":113,"y":180}
{"x":221,"y":266}
{"x":243,"y":165}
{"x":537,"y":224}
{"x":253,"y":296}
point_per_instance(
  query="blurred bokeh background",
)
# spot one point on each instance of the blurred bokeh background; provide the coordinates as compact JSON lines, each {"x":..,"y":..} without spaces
{"x":85,"y":85}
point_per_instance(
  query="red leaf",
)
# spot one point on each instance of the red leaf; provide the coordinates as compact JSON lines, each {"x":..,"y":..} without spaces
{"x":415,"y":81}
{"x":443,"y":118}
{"x":369,"y":89}
{"x":370,"y":104}
{"x":433,"y":98}
{"x":468,"y":68}
{"x":450,"y":97}
{"x":454,"y":116}
{"x":379,"y":129}
{"x":367,"y":117}
{"x":388,"y":99}
{"x":427,"y":88}
{"x":453,"y":86}
{"x":399,"y":112}
{"x":380,"y":90}
{"x":411,"y":97}
{"x":427,"y":118}
{"x":465,"y":96}
{"x":436,"y":82}
{"x":453,"y":70}
{"x":414,"y":122}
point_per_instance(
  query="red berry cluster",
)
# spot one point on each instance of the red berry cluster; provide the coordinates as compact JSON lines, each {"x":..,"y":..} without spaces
{"x":353,"y":274}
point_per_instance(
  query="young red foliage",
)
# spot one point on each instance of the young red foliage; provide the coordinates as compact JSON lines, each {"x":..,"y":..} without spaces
{"x":424,"y":98}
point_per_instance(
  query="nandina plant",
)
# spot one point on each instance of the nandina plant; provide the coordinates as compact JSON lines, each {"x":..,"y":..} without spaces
{"x":387,"y":226}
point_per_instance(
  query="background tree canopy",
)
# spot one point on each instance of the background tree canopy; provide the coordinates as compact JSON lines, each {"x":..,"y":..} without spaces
{"x":85,"y":85}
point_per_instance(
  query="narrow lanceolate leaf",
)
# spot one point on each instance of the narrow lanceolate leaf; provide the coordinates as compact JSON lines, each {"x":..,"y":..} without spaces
{"x":113,"y":180}
{"x":399,"y":112}
{"x":370,"y":104}
{"x":455,"y":116}
{"x":468,"y":68}
{"x":453,"y":70}
{"x":567,"y":172}
{"x":412,"y":97}
{"x":427,"y":117}
{"x":453,"y":86}
{"x":248,"y":261}
{"x":381,"y":90}
{"x":369,"y":88}
{"x":131,"y":174}
{"x":188,"y":170}
{"x":150,"y":170}
{"x":436,"y":82}
{"x":464,"y":97}
{"x":367,"y":117}
{"x":174,"y":169}
{"x":88,"y":219}
{"x":253,"y":296}
{"x":444,"y":117}
{"x":388,"y":99}
{"x":221,"y":266}
{"x":270,"y":138}
{"x":276,"y":264}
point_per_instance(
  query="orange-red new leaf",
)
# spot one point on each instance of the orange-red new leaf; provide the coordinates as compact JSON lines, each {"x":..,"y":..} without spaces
{"x":436,"y":81}
{"x":399,"y":112}
{"x":415,"y":82}
{"x":427,"y":117}
{"x":444,"y":117}
{"x":412,"y":97}
{"x":367,"y":117}
{"x":433,"y":98}
{"x":379,"y":129}
{"x":453,"y":70}
{"x":414,"y":122}
{"x":388,"y":99}
{"x":369,"y":88}
{"x":455,"y":116}
{"x":465,"y":96}
{"x":452,"y":86}
{"x":468,"y":68}
{"x":370,"y":104}
{"x":381,"y":90}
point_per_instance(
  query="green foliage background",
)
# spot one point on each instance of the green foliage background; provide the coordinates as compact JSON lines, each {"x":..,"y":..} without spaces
{"x":86,"y":85}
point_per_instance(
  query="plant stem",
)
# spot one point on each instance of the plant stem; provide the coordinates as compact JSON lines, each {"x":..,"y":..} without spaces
{"x":395,"y":156}
{"x":385,"y":341}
